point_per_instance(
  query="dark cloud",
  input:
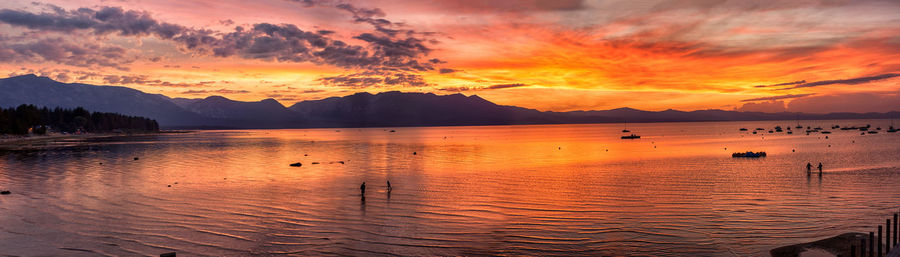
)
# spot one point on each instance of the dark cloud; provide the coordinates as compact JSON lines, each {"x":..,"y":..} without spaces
{"x":145,"y":80}
{"x":780,"y":97}
{"x":397,"y":54}
{"x":105,"y":20}
{"x":853,"y":81}
{"x":58,"y":50}
{"x":783,"y":84}
{"x":502,"y":86}
{"x":512,"y":6}
{"x":446,"y":70}
{"x":312,"y":91}
{"x":370,"y":79}
{"x":67,"y":75}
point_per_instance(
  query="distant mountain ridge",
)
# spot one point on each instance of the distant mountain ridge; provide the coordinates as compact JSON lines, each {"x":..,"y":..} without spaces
{"x":387,"y":109}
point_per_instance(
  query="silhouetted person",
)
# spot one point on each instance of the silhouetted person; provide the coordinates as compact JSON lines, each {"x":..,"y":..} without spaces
{"x":362,"y":189}
{"x":808,"y":167}
{"x":389,"y":185}
{"x":820,"y":168}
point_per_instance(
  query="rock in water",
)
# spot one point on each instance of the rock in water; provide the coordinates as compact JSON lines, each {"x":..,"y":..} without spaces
{"x":296,"y":164}
{"x":5,"y":192}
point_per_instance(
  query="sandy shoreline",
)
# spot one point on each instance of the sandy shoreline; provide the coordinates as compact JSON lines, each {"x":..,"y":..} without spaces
{"x":13,"y":143}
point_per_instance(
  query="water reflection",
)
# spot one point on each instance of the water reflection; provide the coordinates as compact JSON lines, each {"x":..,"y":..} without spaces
{"x":505,"y":190}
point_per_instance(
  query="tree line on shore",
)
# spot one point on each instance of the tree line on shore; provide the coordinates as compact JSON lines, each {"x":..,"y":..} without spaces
{"x":26,"y":119}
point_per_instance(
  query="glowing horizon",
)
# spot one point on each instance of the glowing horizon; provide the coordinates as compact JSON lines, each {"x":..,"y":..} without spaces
{"x":809,"y":56}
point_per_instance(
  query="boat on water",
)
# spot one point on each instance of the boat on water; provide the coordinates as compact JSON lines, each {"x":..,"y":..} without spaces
{"x":749,"y":154}
{"x":626,"y":128}
{"x":743,"y":129}
{"x":632,"y":136}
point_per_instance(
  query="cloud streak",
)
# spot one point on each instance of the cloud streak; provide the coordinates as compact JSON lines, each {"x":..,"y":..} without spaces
{"x":783,"y":84}
{"x":502,"y":86}
{"x":853,"y":81}
{"x":780,"y":97}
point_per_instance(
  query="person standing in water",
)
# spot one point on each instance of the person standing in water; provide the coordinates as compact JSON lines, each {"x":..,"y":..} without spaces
{"x":820,"y":168}
{"x":389,"y":185}
{"x":808,"y":168}
{"x":362,"y":188}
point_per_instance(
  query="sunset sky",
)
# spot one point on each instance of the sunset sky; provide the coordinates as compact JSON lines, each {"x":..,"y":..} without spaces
{"x":809,"y":56}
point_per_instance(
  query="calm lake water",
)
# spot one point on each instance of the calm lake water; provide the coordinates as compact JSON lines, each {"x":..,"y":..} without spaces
{"x":495,"y":190}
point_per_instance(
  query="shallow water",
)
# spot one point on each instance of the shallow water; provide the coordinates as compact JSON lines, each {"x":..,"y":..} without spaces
{"x":495,"y":190}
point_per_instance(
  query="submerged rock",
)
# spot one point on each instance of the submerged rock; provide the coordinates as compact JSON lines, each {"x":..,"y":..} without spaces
{"x":4,"y":192}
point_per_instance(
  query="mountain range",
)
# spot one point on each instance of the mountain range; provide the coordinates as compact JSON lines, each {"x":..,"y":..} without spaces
{"x":388,"y":109}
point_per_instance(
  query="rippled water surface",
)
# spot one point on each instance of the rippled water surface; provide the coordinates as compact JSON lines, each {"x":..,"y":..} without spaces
{"x":496,"y":190}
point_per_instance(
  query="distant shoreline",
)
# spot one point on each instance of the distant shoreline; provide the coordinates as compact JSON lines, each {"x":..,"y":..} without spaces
{"x":787,"y":122}
{"x":33,"y":142}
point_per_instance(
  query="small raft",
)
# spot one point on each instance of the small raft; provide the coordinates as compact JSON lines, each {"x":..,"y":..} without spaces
{"x":632,"y":136}
{"x":749,"y":154}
